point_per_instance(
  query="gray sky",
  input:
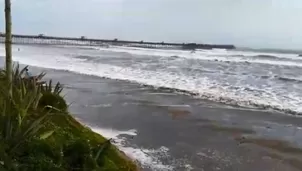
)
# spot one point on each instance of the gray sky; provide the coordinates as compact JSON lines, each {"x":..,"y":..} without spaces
{"x":253,"y":23}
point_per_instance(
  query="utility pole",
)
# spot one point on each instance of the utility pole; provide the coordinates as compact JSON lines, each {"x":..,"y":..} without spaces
{"x":8,"y":44}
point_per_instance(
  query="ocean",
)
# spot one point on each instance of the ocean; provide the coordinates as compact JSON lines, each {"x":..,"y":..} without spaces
{"x":175,"y":110}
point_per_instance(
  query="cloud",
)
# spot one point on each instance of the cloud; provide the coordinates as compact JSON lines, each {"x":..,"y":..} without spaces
{"x":257,"y":23}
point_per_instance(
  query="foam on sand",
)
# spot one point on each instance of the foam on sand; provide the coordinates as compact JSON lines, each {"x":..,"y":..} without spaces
{"x":147,"y":158}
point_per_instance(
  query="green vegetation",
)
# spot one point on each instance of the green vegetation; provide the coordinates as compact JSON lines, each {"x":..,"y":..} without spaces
{"x":37,"y":132}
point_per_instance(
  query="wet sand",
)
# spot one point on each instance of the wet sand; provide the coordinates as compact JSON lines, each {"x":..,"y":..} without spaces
{"x":191,"y":134}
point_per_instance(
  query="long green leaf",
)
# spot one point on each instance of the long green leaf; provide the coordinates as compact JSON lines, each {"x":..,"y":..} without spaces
{"x":46,"y":135}
{"x":28,"y":133}
{"x":103,"y":147}
{"x":33,"y":127}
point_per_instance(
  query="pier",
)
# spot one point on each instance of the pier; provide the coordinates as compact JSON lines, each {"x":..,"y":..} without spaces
{"x":83,"y":41}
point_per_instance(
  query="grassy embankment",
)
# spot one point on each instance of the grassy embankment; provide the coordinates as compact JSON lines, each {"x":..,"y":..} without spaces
{"x":38,"y":133}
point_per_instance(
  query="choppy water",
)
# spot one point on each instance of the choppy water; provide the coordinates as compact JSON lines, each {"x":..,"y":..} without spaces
{"x":243,"y":78}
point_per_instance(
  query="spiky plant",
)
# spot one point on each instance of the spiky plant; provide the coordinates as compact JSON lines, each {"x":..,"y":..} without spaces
{"x":17,"y":124}
{"x":49,"y":88}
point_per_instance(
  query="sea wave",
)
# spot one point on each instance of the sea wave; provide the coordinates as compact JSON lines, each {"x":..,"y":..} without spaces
{"x":200,"y":86}
{"x":203,"y":88}
{"x":285,"y":79}
{"x":214,"y":55}
{"x":288,"y":79}
{"x":267,"y":57}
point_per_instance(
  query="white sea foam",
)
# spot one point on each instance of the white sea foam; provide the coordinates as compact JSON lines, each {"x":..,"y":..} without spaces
{"x":147,"y":158}
{"x":100,"y":105}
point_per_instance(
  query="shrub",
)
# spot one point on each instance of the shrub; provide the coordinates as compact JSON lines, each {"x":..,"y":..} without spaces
{"x":16,"y":124}
{"x":48,"y":88}
{"x":53,"y":100}
{"x":78,"y":155}
{"x":48,"y":140}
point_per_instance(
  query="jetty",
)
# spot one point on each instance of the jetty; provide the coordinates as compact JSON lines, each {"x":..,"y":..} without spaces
{"x":42,"y":39}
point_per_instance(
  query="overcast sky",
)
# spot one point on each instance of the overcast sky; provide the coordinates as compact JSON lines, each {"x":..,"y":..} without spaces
{"x":253,"y":23}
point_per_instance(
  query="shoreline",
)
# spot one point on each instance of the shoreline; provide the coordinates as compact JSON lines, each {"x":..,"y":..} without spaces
{"x":198,"y":129}
{"x":160,"y":108}
{"x":121,"y":153}
{"x":245,"y":105}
